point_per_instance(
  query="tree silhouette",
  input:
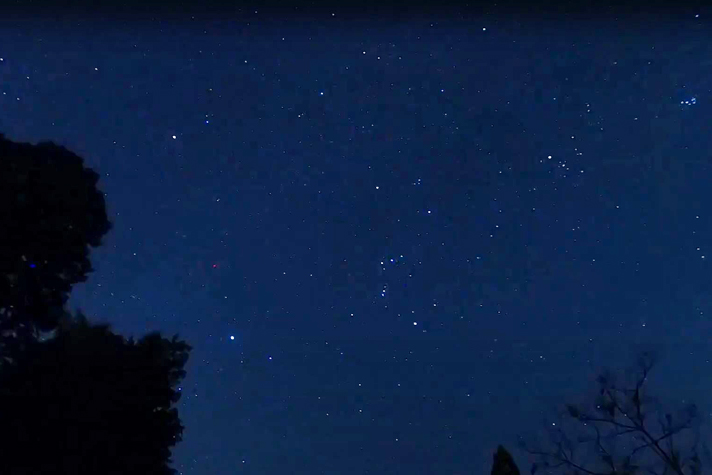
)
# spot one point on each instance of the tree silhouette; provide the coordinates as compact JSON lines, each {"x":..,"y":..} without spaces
{"x":75,"y":398}
{"x":622,"y":431}
{"x":503,"y":463}
{"x":88,"y":401}
{"x":50,"y":213}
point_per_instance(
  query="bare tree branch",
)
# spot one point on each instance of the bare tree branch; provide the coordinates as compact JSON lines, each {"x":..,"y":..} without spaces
{"x":619,"y":423}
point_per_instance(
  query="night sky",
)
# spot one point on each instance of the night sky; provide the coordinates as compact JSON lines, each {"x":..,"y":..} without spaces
{"x":392,"y":245}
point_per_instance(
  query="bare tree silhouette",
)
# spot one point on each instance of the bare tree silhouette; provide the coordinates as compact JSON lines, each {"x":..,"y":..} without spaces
{"x":623,"y":431}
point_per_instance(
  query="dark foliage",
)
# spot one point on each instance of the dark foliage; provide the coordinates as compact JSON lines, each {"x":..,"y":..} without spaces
{"x":623,"y":430}
{"x":89,"y":401}
{"x":75,"y":398}
{"x":50,"y":213}
{"x":503,"y":463}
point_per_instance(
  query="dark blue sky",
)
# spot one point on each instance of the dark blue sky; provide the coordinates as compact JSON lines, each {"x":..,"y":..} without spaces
{"x":392,"y":245}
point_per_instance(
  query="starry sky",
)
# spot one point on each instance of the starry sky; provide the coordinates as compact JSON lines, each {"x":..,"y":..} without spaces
{"x":392,"y":245}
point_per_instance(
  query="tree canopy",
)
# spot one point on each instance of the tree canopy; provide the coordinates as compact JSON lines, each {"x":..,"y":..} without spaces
{"x":51,"y":213}
{"x":89,"y":401}
{"x":75,"y":397}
